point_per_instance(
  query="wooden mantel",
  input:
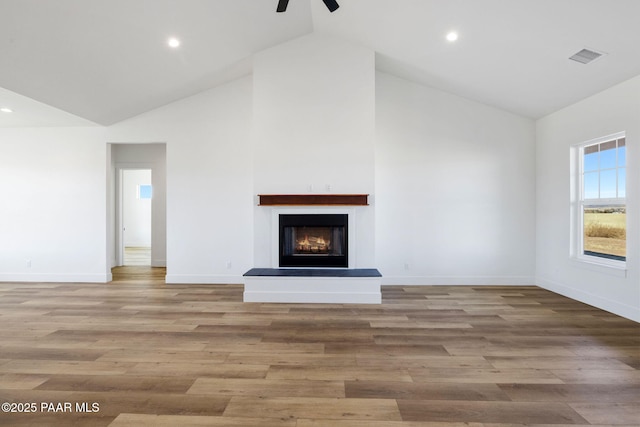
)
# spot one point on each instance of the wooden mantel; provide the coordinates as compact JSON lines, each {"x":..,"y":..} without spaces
{"x":313,"y":199}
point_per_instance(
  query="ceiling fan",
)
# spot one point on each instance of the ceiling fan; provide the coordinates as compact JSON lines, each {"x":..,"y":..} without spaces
{"x":332,"y":5}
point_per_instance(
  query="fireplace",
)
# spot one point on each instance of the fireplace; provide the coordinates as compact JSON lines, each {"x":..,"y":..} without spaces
{"x":315,"y":245}
{"x":313,"y":240}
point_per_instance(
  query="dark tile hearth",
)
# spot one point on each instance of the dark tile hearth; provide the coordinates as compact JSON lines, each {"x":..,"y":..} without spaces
{"x":314,"y":272}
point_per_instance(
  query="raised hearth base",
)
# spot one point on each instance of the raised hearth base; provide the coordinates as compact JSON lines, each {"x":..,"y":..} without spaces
{"x":305,"y":285}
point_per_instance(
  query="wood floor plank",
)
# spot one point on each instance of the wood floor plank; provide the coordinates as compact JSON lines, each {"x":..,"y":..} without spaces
{"x":507,"y":351}
{"x":384,"y":349}
{"x":337,"y":373}
{"x":487,"y":376}
{"x":56,"y":419}
{"x":613,"y":352}
{"x":21,"y":381}
{"x":141,"y":420}
{"x":161,"y":355}
{"x":424,"y":391}
{"x":193,"y":370}
{"x":621,"y":393}
{"x":489,"y":412}
{"x":421,"y":361}
{"x":547,"y":362}
{"x":38,"y":366}
{"x":612,"y":413}
{"x":360,"y":423}
{"x":410,"y":339}
{"x":267,"y":347}
{"x":292,"y":359}
{"x":596,"y":376}
{"x":267,"y":387}
{"x":324,"y":336}
{"x":160,"y":344}
{"x":111,"y":383}
{"x":301,"y":407}
{"x":141,"y":402}
{"x":26,"y":352}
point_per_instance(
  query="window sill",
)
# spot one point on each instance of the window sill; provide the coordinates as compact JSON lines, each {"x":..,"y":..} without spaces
{"x":612,"y":268}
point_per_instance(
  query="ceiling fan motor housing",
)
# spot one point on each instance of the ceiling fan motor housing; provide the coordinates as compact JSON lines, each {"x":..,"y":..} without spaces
{"x":332,"y":5}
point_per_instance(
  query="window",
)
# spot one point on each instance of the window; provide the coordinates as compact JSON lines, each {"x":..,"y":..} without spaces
{"x":602,"y":210}
{"x":144,"y":191}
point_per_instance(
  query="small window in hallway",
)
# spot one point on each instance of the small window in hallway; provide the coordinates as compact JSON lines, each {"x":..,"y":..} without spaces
{"x":144,"y":191}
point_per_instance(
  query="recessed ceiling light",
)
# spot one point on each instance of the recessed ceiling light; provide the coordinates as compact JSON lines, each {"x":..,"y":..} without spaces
{"x":173,"y":42}
{"x":6,"y":110}
{"x":452,"y":36}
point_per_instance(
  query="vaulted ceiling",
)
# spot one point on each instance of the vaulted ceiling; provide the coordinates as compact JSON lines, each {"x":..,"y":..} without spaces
{"x":79,"y":62}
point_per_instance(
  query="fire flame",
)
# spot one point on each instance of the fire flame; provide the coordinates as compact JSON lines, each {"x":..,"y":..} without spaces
{"x":313,"y":244}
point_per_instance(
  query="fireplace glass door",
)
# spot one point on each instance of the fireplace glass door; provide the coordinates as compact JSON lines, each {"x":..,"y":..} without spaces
{"x":318,"y":240}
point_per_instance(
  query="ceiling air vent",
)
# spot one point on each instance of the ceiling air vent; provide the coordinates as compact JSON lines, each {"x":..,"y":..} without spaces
{"x":586,"y":55}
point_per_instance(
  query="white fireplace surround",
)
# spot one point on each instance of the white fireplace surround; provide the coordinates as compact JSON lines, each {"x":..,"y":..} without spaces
{"x":301,"y":289}
{"x":302,"y":210}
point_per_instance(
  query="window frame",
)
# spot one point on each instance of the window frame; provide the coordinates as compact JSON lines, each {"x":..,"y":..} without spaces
{"x":579,"y":203}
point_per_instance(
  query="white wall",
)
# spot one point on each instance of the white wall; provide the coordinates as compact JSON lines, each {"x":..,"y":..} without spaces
{"x":53,"y":205}
{"x":614,"y":110}
{"x":313,"y":130}
{"x":455,"y":188}
{"x":151,"y":156}
{"x":209,"y":181}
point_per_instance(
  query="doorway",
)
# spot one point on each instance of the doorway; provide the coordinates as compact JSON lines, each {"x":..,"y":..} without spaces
{"x":136,"y":195}
{"x":143,"y":167}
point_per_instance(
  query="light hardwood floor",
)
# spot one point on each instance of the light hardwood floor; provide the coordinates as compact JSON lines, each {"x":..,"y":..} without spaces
{"x":151,"y":354}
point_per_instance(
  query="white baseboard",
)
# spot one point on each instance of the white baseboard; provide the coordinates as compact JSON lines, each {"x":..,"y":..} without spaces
{"x":459,"y":280}
{"x":214,"y":279}
{"x":56,"y":278}
{"x":597,"y":301}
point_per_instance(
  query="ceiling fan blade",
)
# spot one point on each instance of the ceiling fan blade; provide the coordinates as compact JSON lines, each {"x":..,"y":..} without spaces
{"x":332,"y":5}
{"x":282,"y":5}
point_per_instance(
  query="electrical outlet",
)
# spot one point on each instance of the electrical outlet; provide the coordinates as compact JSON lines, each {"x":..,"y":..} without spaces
{"x":28,"y":263}
{"x":228,"y":264}
{"x":406,"y":266}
